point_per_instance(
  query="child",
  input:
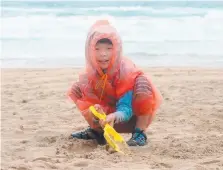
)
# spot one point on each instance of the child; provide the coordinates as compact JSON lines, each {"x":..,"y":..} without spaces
{"x":115,"y":85}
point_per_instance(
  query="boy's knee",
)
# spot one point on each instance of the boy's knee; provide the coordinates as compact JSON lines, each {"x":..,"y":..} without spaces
{"x":143,"y":99}
{"x":143,"y":106}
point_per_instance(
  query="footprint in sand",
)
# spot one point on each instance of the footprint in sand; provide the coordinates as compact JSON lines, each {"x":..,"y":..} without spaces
{"x":20,"y":167}
{"x":46,"y":141}
{"x":210,"y":162}
{"x":166,"y":165}
{"x":79,"y":147}
{"x":47,"y":163}
{"x":42,"y":159}
{"x":24,"y":141}
{"x":81,"y":164}
{"x":92,"y":168}
{"x":46,"y":138}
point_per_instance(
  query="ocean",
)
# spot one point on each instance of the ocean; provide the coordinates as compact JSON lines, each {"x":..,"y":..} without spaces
{"x":47,"y":33}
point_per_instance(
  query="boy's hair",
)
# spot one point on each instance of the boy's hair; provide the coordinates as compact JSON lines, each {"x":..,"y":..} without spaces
{"x":105,"y":41}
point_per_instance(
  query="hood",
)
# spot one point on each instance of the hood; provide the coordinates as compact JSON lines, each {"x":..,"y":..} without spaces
{"x":102,"y":29}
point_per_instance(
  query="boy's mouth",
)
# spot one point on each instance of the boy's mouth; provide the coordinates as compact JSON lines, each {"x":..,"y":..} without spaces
{"x":103,"y":61}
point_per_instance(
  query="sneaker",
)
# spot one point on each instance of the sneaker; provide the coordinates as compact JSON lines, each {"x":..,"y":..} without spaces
{"x":138,"y":138}
{"x":89,"y":134}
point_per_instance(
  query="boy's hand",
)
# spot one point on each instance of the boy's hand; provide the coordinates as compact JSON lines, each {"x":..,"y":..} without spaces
{"x":109,"y":119}
{"x":76,"y":91}
{"x":99,"y":108}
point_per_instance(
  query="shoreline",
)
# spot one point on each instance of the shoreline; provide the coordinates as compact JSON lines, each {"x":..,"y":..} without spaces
{"x":142,"y":67}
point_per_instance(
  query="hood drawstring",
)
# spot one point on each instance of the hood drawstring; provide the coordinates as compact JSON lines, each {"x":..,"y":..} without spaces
{"x":101,"y":83}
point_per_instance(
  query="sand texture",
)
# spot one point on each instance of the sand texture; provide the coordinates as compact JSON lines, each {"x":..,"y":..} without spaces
{"x":37,"y":119}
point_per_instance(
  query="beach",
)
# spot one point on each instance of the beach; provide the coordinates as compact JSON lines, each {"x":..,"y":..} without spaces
{"x":37,"y":119}
{"x":178,"y":43}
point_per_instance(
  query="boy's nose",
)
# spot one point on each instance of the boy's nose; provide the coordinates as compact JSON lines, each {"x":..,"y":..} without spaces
{"x":103,"y":53}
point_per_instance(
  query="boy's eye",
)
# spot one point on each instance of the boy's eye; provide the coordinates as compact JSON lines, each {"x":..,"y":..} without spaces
{"x":109,"y":48}
{"x":96,"y":49}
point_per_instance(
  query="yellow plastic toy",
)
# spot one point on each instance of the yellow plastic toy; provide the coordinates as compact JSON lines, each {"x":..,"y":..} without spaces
{"x":113,"y":138}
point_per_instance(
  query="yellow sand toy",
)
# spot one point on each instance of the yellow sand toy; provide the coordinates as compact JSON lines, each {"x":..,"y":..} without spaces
{"x":113,"y":138}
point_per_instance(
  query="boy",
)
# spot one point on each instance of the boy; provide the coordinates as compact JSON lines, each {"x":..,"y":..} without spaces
{"x":113,"y":84}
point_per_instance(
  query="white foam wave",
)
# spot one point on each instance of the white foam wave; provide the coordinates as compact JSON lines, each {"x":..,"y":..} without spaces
{"x":214,"y":14}
{"x":194,"y":28}
{"x":172,"y":10}
{"x":51,"y":36}
{"x":146,"y":10}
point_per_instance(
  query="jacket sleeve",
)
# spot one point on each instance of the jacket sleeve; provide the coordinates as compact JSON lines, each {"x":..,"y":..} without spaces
{"x":124,"y":108}
{"x":88,"y":97}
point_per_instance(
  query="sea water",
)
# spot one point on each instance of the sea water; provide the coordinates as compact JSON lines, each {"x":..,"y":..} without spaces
{"x":50,"y":33}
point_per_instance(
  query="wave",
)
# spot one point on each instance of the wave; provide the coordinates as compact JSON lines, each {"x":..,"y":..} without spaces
{"x":193,"y":28}
{"x":40,"y":30}
{"x":122,"y":11}
{"x":110,"y":3}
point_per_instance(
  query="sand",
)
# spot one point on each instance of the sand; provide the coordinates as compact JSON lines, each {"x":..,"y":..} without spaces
{"x":37,"y":119}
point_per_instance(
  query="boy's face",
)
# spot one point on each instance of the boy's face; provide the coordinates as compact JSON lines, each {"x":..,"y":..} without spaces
{"x":103,"y":54}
